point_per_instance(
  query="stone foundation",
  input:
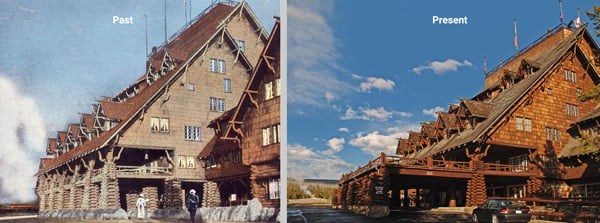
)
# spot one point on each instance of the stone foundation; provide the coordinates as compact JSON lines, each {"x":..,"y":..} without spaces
{"x":373,"y":211}
{"x":100,"y":214}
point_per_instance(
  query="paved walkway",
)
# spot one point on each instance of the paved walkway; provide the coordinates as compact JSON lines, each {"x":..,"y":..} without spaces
{"x":12,"y":218}
{"x":302,"y":214}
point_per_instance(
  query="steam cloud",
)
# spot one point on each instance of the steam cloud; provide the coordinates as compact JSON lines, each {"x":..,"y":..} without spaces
{"x":23,"y":135}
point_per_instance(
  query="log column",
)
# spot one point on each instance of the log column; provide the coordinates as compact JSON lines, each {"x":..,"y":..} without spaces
{"x":173,"y":194}
{"x":211,"y":196}
{"x":109,"y":185}
{"x":87,"y":184}
{"x":533,"y":186}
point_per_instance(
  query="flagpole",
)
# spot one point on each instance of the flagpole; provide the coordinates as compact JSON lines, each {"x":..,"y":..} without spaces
{"x":561,"y":13}
{"x":516,"y":41}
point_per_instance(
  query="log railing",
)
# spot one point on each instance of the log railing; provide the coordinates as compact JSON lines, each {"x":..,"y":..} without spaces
{"x":135,"y":170}
{"x":430,"y":163}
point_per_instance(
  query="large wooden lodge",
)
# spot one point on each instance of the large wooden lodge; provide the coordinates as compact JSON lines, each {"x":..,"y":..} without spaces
{"x":146,"y":138}
{"x":520,"y":137}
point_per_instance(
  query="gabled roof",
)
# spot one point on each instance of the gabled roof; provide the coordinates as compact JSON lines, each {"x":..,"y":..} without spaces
{"x":505,"y":101}
{"x":51,"y":149}
{"x":428,"y":129}
{"x":263,"y":66}
{"x":402,"y":146}
{"x":478,"y":108}
{"x":575,"y":148}
{"x":216,"y":145}
{"x":190,"y":43}
{"x":449,"y":120}
{"x":591,"y":115}
{"x":87,"y":120}
{"x":414,"y":137}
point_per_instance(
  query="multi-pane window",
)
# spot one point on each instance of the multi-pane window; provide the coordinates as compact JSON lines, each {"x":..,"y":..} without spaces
{"x":210,"y":162}
{"x":549,"y":91}
{"x":570,"y":76}
{"x":274,"y":188}
{"x":277,"y":87}
{"x":159,"y":124}
{"x":520,"y":161}
{"x":213,"y":65}
{"x":191,"y":87}
{"x":552,"y":134}
{"x":192,"y":133}
{"x":227,"y":85}
{"x":217,"y":104}
{"x":519,"y":121}
{"x":527,"y":124}
{"x":578,"y":92}
{"x":266,"y":136}
{"x":268,"y":90}
{"x":572,"y":110}
{"x":237,"y":156}
{"x":221,"y":105}
{"x":221,"y":67}
{"x":241,"y":44}
{"x":217,"y":65}
{"x":186,"y":162}
{"x":271,"y":135}
{"x":213,"y":104}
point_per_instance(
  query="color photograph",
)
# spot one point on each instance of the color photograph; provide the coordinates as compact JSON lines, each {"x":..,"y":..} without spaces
{"x":442,"y":111}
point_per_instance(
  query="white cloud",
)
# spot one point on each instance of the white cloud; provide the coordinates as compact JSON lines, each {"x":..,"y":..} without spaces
{"x":313,"y":55}
{"x":344,"y":129}
{"x":329,"y":96}
{"x":374,"y":114}
{"x":442,"y":67}
{"x":310,"y":165}
{"x":356,"y":76}
{"x":377,"y":83}
{"x":373,"y":143}
{"x":336,"y":144}
{"x":23,"y":136}
{"x":432,"y":111}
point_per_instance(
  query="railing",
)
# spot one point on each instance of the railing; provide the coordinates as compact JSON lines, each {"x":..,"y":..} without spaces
{"x":136,"y":170}
{"x":431,"y":164}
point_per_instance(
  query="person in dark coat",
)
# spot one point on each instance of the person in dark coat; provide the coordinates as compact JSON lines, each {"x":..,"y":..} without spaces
{"x":192,"y":204}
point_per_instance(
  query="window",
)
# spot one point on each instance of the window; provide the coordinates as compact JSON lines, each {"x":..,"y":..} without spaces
{"x":277,"y":87}
{"x":520,"y":161}
{"x":556,"y":135}
{"x":192,"y":133}
{"x":186,"y":162}
{"x":213,"y":104}
{"x":570,"y":76}
{"x":217,"y":65}
{"x":237,"y":156}
{"x":159,"y":124}
{"x":213,"y":65}
{"x":572,"y":110}
{"x":527,"y":124}
{"x":268,"y":90}
{"x":578,"y":92}
{"x":221,"y":66}
{"x":191,"y":162}
{"x":519,"y":123}
{"x":241,"y":44}
{"x":191,"y":87}
{"x":548,"y":133}
{"x":552,"y":134}
{"x":227,"y":85}
{"x":210,"y":162}
{"x":274,"y":188}
{"x":217,"y":104}
{"x":276,"y":136}
{"x":266,"y":136}
{"x":221,"y":105}
{"x":549,"y":91}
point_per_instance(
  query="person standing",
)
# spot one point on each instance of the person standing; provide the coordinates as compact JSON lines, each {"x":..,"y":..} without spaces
{"x":192,"y":204}
{"x":141,"y":206}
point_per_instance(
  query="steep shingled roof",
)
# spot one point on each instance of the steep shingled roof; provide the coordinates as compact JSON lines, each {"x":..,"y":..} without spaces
{"x":478,"y":108}
{"x":188,"y":43}
{"x":402,"y":146}
{"x":507,"y":99}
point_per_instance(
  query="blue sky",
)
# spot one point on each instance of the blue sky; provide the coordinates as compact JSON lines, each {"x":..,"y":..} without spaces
{"x":59,"y":57}
{"x":363,"y":73}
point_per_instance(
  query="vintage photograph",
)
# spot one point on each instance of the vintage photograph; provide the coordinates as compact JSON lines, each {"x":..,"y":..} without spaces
{"x":164,"y":110}
{"x":443,"y":111}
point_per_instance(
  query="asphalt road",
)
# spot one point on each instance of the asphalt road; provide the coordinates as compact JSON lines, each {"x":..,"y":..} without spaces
{"x":302,"y":214}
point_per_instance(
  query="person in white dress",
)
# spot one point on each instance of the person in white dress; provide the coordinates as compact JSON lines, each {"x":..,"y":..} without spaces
{"x":141,"y":206}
